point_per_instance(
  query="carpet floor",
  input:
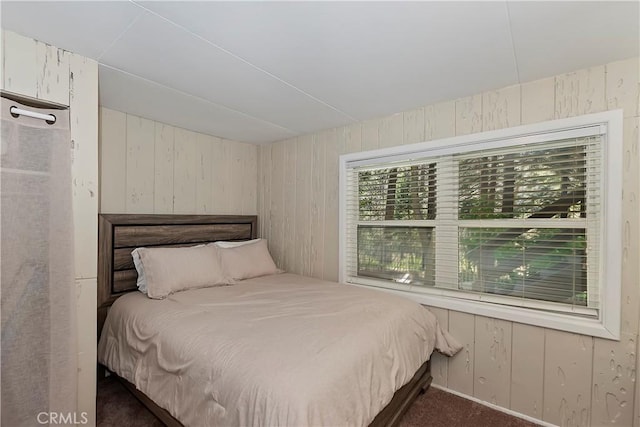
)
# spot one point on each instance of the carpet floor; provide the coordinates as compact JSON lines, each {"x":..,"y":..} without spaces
{"x":435,"y":408}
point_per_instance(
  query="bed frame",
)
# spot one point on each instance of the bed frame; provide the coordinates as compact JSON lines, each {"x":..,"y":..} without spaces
{"x":119,"y":234}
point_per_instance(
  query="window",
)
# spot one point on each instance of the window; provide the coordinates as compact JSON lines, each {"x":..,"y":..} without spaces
{"x":521,"y":224}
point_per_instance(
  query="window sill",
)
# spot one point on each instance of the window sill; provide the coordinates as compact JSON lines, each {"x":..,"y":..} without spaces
{"x":552,"y":320}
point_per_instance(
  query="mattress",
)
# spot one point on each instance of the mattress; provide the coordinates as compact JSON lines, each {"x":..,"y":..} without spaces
{"x":275,"y":350}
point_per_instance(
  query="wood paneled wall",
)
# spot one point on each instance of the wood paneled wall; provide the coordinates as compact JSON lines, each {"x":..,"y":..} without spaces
{"x":152,"y":167}
{"x":44,"y":72}
{"x":558,"y":377}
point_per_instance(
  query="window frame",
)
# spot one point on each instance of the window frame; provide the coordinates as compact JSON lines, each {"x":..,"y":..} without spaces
{"x":607,"y":324}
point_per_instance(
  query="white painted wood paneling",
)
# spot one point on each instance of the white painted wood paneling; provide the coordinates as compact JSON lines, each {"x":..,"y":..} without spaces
{"x":185,"y":171}
{"x":622,"y":86}
{"x":19,"y":62}
{"x":538,"y":101}
{"x":440,"y":120}
{"x":204,"y":158}
{"x":220,"y":173}
{"x":370,"y":135}
{"x":231,"y":175}
{"x":567,"y":378}
{"x":469,"y":115}
{"x":260,"y":188}
{"x":86,"y":300}
{"x":290,"y":255}
{"x":140,"y":165}
{"x":317,"y":217}
{"x":413,"y":126}
{"x":341,"y":140}
{"x":331,"y":167}
{"x":237,"y":174}
{"x":304,"y":170}
{"x":276,"y":214}
{"x":113,"y":161}
{"x":265,"y":181}
{"x":83,"y":112}
{"x":353,"y":138}
{"x":163,"y":168}
{"x":527,"y":370}
{"x":614,"y":375}
{"x":53,"y":73}
{"x":501,"y":108}
{"x":630,"y":225}
{"x":636,"y":406}
{"x":581,"y":92}
{"x":391,"y":130}
{"x":83,"y":105}
{"x":634,"y":254}
{"x":249,"y":188}
{"x":492,"y":361}
{"x":460,"y":373}
{"x":440,"y":362}
{"x":152,"y":167}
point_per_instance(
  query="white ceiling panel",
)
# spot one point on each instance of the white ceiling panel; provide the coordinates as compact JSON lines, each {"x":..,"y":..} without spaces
{"x":160,"y":51}
{"x":365,"y":58}
{"x":124,"y":92}
{"x":555,"y":37}
{"x":259,"y":71}
{"x":87,"y":28}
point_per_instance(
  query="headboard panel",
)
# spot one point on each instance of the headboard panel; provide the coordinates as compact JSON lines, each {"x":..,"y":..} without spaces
{"x":119,"y":234}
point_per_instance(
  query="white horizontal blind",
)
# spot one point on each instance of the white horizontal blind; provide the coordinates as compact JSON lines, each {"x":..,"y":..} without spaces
{"x":391,"y":210}
{"x":523,"y":221}
{"x":520,"y":222}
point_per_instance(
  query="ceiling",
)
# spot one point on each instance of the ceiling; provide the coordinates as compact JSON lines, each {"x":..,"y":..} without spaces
{"x":264,"y":71}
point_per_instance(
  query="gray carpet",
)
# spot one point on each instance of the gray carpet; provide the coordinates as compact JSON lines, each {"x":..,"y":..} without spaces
{"x":435,"y":408}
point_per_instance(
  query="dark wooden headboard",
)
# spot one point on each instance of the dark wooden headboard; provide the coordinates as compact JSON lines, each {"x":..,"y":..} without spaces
{"x":119,"y":234}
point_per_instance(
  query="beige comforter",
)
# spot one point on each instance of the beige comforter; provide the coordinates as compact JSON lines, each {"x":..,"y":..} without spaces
{"x":276,"y":350}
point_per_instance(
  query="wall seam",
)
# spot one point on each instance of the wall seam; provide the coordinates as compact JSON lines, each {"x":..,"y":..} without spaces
{"x":510,"y":367}
{"x":126,"y":161}
{"x":324,"y":200}
{"x":173,"y":174}
{"x":155,"y":149}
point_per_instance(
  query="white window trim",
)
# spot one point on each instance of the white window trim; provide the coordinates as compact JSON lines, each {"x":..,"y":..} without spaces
{"x":610,"y":268}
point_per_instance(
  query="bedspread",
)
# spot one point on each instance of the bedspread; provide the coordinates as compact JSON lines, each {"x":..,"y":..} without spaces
{"x":275,"y":350}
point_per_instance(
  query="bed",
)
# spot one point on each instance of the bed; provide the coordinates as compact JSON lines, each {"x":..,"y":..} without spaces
{"x":233,"y":355}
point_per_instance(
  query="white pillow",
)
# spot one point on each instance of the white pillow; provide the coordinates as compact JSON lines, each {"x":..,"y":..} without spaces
{"x":169,"y":270}
{"x":141,"y":281}
{"x":235,"y":244}
{"x":247,"y":261}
